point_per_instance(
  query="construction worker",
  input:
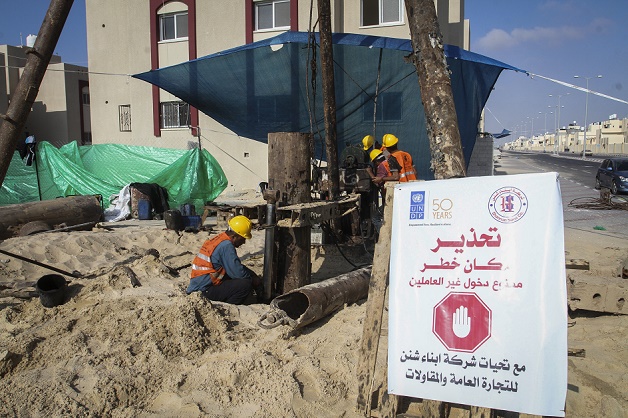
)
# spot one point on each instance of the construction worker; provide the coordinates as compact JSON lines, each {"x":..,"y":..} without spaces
{"x":217,"y":271}
{"x":367,"y":142}
{"x":399,"y":162}
{"x":381,"y":169}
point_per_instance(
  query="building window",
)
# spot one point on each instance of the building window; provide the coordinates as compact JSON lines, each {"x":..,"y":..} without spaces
{"x":173,"y":26}
{"x":272,"y":15}
{"x":389,"y":108}
{"x":381,"y":12}
{"x":124,"y":112}
{"x":174,"y":115}
{"x":85,"y":96}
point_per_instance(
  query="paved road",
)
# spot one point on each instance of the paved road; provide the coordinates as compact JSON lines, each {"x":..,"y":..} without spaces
{"x":581,"y":207}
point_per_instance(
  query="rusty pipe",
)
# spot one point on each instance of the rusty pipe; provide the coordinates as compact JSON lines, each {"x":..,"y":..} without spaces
{"x":271,"y":197}
{"x":310,"y":303}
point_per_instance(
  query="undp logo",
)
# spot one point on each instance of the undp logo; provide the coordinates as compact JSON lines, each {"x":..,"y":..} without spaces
{"x":417,"y":206}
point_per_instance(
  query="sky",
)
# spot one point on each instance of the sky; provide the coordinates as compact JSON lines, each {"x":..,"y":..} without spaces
{"x":556,"y":39}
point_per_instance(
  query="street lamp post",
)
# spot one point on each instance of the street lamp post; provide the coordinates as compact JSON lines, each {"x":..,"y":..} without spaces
{"x":558,"y":122}
{"x":545,"y":129}
{"x":586,"y":111}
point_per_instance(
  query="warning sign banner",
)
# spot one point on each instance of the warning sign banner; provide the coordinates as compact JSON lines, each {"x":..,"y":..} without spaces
{"x":478,"y":298}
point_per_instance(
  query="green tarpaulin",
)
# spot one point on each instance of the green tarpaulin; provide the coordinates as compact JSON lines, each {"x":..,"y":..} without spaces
{"x":189,"y":176}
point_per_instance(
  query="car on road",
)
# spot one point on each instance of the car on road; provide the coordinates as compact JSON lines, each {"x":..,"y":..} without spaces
{"x":613,"y":174}
{"x":588,"y":153}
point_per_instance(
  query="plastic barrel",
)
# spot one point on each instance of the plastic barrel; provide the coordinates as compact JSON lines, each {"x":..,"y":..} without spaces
{"x":144,"y":210}
{"x":51,"y":289}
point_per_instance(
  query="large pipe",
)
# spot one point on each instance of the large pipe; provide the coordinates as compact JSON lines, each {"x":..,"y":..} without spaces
{"x":310,"y":303}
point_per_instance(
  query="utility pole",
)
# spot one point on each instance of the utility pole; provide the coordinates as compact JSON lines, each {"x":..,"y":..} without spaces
{"x":329,"y":96}
{"x":28,"y":85}
{"x":435,"y":85}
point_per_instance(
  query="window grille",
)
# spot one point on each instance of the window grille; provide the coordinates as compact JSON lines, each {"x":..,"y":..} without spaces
{"x":271,"y":15}
{"x":124,"y":112}
{"x":175,"y":115}
{"x":173,"y":26}
{"x":380,"y":12}
{"x":85,"y":96}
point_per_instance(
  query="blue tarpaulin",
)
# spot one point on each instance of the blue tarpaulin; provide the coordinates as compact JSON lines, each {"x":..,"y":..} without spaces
{"x":270,"y":86}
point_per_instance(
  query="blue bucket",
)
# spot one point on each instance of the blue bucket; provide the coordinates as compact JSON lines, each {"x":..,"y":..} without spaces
{"x":144,"y":210}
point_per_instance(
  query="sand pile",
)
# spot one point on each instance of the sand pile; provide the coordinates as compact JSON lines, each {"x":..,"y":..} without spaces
{"x":117,"y":350}
{"x":114,"y":349}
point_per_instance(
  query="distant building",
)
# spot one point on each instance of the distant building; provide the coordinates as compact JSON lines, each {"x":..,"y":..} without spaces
{"x":605,"y":137}
{"x":129,"y":37}
{"x":60,"y":113}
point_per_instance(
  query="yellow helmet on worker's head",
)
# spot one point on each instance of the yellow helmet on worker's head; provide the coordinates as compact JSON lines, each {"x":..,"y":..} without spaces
{"x":374,"y":154}
{"x":390,"y":140}
{"x":368,"y":141}
{"x":241,"y":225}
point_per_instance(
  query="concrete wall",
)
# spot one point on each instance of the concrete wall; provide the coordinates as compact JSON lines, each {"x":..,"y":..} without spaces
{"x":481,"y":162}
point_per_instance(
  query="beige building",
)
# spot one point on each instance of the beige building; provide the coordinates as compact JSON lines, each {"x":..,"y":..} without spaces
{"x":61,"y":111}
{"x":4,"y":97}
{"x":606,"y":137}
{"x":129,"y":37}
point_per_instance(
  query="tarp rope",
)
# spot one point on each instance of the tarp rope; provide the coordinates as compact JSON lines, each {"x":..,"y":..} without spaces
{"x":573,"y":86}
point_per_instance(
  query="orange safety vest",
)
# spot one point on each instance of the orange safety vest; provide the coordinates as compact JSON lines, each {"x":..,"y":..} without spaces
{"x":202,"y":263}
{"x":407,"y":169}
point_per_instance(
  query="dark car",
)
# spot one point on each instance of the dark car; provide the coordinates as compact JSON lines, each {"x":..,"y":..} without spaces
{"x":613,"y":174}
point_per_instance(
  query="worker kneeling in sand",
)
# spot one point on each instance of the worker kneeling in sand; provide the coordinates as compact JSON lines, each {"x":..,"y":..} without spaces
{"x":217,"y":271}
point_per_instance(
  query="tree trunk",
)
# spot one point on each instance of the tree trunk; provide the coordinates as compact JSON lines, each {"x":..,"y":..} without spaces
{"x":289,"y":172}
{"x":73,"y":210}
{"x":435,"y":85}
{"x":28,"y":85}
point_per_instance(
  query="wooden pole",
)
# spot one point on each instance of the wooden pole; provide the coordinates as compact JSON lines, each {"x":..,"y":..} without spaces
{"x":435,"y":85}
{"x":289,"y":172}
{"x":329,"y":96}
{"x":374,"y":315}
{"x":28,"y":85}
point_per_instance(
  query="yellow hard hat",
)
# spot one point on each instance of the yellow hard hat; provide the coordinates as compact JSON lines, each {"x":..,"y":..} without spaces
{"x":241,"y":225}
{"x":390,"y":140}
{"x":374,"y":154}
{"x":368,"y":141}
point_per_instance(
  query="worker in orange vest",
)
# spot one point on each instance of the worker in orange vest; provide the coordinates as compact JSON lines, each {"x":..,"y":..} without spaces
{"x":399,"y":162}
{"x":217,"y":271}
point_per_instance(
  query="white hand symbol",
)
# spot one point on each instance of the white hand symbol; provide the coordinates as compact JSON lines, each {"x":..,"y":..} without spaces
{"x":462,"y":322}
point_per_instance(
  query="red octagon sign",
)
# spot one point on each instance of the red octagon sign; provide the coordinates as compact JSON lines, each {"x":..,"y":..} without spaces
{"x":462,"y":322}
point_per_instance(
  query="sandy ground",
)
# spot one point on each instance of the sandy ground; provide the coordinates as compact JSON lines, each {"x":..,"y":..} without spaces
{"x":121,"y":351}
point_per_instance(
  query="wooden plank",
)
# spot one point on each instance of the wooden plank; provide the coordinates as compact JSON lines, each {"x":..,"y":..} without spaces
{"x":577,"y":264}
{"x":374,"y":311}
